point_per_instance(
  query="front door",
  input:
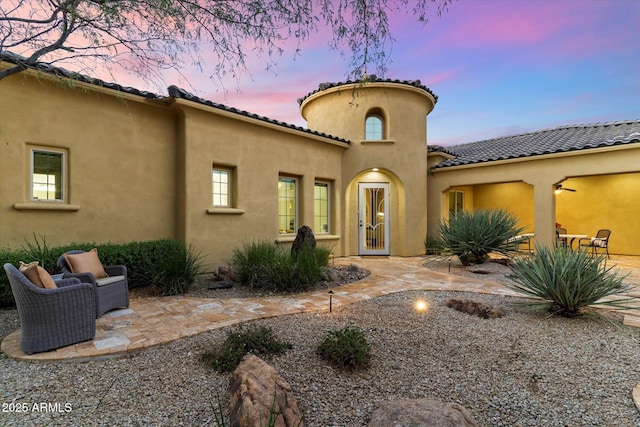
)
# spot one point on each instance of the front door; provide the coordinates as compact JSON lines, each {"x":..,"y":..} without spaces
{"x":373,"y":221}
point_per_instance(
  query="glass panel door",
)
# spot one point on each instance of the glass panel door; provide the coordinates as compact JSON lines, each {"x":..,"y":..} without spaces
{"x":373,"y":221}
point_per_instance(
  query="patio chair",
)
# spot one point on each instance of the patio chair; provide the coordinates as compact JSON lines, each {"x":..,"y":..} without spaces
{"x":52,"y":318}
{"x":109,"y":282}
{"x":561,"y":242}
{"x":601,"y":241}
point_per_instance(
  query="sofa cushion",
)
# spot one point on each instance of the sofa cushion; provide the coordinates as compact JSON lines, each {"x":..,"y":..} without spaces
{"x":109,"y":280}
{"x":37,"y":275}
{"x":86,"y":262}
{"x":599,"y":242}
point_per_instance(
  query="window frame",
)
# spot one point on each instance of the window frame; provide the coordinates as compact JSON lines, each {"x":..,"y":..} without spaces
{"x":380,"y":120}
{"x":229,"y":186}
{"x":296,"y":185}
{"x":327,"y":185}
{"x":456,"y":208}
{"x":63,"y":174}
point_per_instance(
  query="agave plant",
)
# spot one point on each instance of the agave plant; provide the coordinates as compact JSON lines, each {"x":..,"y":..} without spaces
{"x":567,"y":282}
{"x":472,"y":235}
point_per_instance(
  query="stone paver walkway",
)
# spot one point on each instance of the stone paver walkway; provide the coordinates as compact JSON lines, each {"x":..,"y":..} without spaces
{"x":148,"y":322}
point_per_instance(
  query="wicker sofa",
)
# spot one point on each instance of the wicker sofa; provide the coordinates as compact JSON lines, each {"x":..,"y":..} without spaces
{"x":52,"y":318}
{"x":111,"y":291}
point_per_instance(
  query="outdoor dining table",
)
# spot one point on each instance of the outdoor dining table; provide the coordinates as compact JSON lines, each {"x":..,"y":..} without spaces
{"x":572,"y":237}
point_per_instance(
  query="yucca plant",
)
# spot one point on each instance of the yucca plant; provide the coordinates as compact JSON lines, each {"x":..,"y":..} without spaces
{"x":567,"y":282}
{"x":472,"y":235}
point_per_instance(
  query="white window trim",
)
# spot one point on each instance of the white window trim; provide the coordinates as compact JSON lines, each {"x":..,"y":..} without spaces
{"x":382,"y":127}
{"x":230,"y":198}
{"x":295,"y":207}
{"x":63,"y":184}
{"x":329,"y":188}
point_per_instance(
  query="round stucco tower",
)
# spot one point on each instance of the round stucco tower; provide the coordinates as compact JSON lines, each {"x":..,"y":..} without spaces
{"x":385,"y":169}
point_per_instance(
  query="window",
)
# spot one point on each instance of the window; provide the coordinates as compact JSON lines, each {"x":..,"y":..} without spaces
{"x":221,"y":187}
{"x":287,"y":205}
{"x":456,"y":202}
{"x":373,"y":127}
{"x":321,"y":207}
{"x":47,"y":175}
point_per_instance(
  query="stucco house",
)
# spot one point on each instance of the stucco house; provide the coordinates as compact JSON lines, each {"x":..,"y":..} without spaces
{"x":86,"y":160}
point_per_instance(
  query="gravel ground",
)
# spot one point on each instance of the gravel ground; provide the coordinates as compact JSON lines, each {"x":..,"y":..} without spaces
{"x":524,"y":369}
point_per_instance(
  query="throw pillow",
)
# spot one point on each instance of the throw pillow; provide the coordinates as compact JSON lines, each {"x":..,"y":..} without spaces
{"x":86,"y":262}
{"x":38,"y":275}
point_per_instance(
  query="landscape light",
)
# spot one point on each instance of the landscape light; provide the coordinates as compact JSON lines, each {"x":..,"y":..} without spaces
{"x":421,"y":306}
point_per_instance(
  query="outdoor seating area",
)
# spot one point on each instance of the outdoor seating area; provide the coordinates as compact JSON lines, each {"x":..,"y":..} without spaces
{"x":63,"y":312}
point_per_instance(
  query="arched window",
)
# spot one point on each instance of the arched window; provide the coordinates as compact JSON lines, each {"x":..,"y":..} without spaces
{"x":374,"y":127}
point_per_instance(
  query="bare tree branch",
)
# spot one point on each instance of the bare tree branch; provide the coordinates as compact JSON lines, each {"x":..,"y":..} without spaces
{"x":152,"y":35}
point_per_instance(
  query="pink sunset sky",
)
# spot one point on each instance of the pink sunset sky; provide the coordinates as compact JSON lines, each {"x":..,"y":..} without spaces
{"x":499,"y":67}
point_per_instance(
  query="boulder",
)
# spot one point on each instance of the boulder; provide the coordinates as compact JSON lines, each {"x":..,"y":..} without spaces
{"x":304,"y":238}
{"x":421,"y":413}
{"x":256,"y":388}
{"x":224,"y":273}
{"x":479,"y":309}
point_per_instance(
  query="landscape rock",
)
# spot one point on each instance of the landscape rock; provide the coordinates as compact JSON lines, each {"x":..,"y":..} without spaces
{"x":479,"y":309}
{"x":421,"y":413}
{"x":224,"y":273}
{"x":253,"y":387}
{"x":304,"y":238}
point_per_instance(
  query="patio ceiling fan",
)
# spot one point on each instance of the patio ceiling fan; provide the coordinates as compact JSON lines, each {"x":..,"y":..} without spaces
{"x":560,"y":188}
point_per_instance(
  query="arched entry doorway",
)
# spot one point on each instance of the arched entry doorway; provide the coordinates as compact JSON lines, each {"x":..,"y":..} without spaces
{"x":375,"y":207}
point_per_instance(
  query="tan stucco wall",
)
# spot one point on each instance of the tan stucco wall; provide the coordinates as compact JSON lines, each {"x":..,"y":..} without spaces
{"x":603,"y":201}
{"x":141,"y":169}
{"x":515,"y":197}
{"x":259,"y":155}
{"x":120,"y":158}
{"x":400,"y":157}
{"x":619,"y":164}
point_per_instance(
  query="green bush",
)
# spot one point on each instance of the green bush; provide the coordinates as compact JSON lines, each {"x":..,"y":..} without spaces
{"x":265,"y":265}
{"x":167,"y":264}
{"x":566,"y":282}
{"x":346,"y":348}
{"x":181,"y":267}
{"x":433,"y":245}
{"x":258,"y":340}
{"x":472,"y":235}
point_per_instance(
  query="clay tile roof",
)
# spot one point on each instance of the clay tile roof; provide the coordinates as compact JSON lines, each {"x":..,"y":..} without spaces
{"x":173,"y":91}
{"x":549,"y":141}
{"x":61,"y":72}
{"x":177,"y":92}
{"x":369,"y":79}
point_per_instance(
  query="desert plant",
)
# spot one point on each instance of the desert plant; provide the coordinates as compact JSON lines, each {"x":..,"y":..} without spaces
{"x":178,"y":270}
{"x":346,"y":348}
{"x":433,"y":245}
{"x":39,"y":250}
{"x":472,"y":235}
{"x":267,"y":266}
{"x":566,"y":282}
{"x":258,"y":340}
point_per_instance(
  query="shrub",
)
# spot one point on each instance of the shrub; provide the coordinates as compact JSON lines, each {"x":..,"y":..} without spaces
{"x":167,"y":264}
{"x":565,"y":281}
{"x":179,"y":269}
{"x":433,"y":245}
{"x":346,"y":348}
{"x":267,"y":266}
{"x":472,"y":235}
{"x":258,"y":340}
{"x":38,"y":250}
